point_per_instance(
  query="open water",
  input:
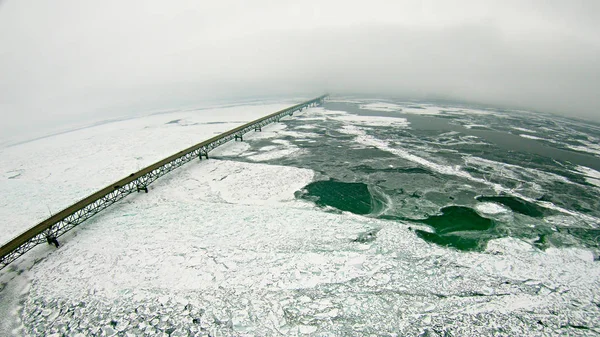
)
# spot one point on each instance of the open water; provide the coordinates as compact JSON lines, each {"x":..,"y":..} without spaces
{"x":462,"y":175}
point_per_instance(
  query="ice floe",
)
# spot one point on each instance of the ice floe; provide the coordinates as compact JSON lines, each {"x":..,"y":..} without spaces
{"x":275,"y":154}
{"x":455,"y":170}
{"x":481,"y":126}
{"x":532,"y":137}
{"x":591,"y":176}
{"x":373,"y":120}
{"x":523,"y":129}
{"x":588,"y":147}
{"x":491,"y":208}
{"x":381,"y":106}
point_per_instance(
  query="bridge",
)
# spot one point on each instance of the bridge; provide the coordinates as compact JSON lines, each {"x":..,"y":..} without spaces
{"x":49,"y":230}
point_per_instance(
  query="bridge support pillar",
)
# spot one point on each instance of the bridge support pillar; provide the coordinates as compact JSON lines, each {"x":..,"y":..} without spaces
{"x":142,"y":188}
{"x":205,"y":154}
{"x":240,"y":137}
{"x":257,"y":129}
{"x":52,"y":240}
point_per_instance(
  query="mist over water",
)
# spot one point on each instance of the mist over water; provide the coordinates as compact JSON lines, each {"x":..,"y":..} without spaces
{"x":69,"y":63}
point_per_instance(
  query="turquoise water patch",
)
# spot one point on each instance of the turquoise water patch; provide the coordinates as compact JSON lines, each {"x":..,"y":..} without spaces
{"x":518,"y":205}
{"x":456,"y":241}
{"x":458,"y":227}
{"x":350,"y":197}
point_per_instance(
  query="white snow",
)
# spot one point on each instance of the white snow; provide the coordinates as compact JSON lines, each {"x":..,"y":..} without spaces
{"x":455,"y":170}
{"x":44,"y":176}
{"x":223,"y":247}
{"x":591,"y":176}
{"x":491,"y":208}
{"x":531,"y":137}
{"x":403,"y":107}
{"x":480,"y":112}
{"x":373,"y":120}
{"x":470,"y":126}
{"x":422,"y":109}
{"x":343,"y":116}
{"x":363,"y":138}
{"x":588,"y":147}
{"x":231,"y":149}
{"x":240,"y":183}
{"x":307,"y":127}
{"x":296,"y":134}
{"x":381,"y":106}
{"x":344,"y":100}
{"x":520,"y":174}
{"x":276,"y":268}
{"x":275,"y":154}
{"x":524,"y":129}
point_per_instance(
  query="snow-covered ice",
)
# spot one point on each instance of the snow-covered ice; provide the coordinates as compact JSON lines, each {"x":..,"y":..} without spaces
{"x":223,"y":248}
{"x":592,"y":148}
{"x":591,"y":176}
{"x":44,"y":176}
{"x":177,"y":259}
{"x":523,"y":129}
{"x":405,"y":108}
{"x":531,"y":137}
{"x":381,"y":106}
{"x":470,"y":126}
{"x":453,"y":170}
{"x":491,"y":208}
{"x":373,"y":120}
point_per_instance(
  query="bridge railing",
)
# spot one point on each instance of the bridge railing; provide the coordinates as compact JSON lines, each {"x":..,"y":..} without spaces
{"x":58,"y":224}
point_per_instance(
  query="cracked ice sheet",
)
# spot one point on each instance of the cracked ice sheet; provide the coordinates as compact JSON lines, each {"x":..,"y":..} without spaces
{"x":344,"y":116}
{"x":239,"y":183}
{"x":363,"y":138}
{"x":283,"y":148}
{"x":250,"y":262}
{"x":49,"y":174}
{"x":278,"y":152}
{"x":405,"y":108}
{"x":381,"y":106}
{"x":374,"y":120}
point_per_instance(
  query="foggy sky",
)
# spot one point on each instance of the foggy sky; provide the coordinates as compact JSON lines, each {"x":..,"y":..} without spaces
{"x":72,"y":60}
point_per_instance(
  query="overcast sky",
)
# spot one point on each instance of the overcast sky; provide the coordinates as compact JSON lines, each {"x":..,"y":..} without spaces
{"x":65,"y":60}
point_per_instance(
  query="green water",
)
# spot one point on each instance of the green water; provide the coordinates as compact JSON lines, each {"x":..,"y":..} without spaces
{"x":351,"y":197}
{"x":457,"y":219}
{"x":376,"y":182}
{"x":457,"y":227}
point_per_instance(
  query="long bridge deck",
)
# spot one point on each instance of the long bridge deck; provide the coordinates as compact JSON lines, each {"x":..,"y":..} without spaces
{"x":50,"y":229}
